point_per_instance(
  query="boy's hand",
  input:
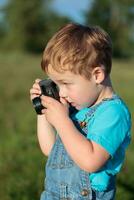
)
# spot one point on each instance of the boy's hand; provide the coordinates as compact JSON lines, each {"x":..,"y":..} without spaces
{"x":35,"y":91}
{"x":55,"y":111}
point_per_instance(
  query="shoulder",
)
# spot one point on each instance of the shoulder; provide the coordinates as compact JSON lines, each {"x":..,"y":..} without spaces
{"x":111,"y":118}
{"x":113,"y":109}
{"x":110,"y":126}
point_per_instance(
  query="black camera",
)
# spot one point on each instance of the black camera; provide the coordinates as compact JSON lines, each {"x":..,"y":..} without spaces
{"x":48,"y":88}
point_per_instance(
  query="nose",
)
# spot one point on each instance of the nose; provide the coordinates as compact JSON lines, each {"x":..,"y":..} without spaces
{"x":62,"y":92}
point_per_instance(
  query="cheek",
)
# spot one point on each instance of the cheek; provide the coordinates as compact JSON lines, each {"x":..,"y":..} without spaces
{"x":78,"y":95}
{"x":83,"y":96}
{"x":73,"y":94}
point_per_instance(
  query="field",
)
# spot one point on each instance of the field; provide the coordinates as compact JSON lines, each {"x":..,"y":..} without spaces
{"x":21,"y":161}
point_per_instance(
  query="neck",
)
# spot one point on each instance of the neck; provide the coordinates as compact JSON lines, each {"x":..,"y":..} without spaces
{"x":105,"y":90}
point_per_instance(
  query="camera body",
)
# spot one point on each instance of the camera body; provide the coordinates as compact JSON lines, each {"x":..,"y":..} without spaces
{"x":48,"y":88}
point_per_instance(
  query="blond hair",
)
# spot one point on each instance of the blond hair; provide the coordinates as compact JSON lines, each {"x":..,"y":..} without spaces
{"x":79,"y":49}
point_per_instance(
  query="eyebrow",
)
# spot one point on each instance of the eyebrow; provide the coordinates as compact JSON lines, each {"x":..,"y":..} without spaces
{"x":62,"y":80}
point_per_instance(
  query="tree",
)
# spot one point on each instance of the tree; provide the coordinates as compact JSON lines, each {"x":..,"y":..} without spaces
{"x":25,"y":26}
{"x":116,"y":17}
{"x":30,"y":24}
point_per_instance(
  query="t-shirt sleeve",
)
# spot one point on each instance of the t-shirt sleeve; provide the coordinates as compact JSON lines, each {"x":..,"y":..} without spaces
{"x":110,"y":128}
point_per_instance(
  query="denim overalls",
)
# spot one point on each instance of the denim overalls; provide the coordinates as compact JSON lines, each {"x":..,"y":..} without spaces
{"x":65,"y":180}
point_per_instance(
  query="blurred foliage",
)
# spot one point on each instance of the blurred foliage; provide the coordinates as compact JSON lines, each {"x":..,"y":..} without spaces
{"x":28,"y":25}
{"x":117,"y":18}
{"x":21,"y":161}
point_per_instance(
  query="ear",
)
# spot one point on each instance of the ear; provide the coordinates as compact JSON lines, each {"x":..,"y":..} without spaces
{"x":98,"y":74}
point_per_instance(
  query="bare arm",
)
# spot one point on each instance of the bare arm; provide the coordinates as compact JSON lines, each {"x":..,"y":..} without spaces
{"x":45,"y":131}
{"x":87,"y":154}
{"x":46,"y":134}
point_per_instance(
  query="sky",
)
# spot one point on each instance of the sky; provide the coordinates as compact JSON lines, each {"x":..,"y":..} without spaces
{"x":73,"y":9}
{"x":2,"y":2}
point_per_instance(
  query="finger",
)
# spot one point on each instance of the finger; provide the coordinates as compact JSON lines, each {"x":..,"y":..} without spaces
{"x":63,"y":101}
{"x":48,"y":101}
{"x":44,"y":101}
{"x":33,"y":96}
{"x":36,"y":86}
{"x":35,"y":91}
{"x":37,"y":80}
{"x":43,"y":111}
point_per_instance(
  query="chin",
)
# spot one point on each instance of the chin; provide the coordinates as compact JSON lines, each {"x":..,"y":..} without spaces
{"x":79,"y":107}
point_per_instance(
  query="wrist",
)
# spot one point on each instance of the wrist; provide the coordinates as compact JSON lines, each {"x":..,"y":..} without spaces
{"x":42,"y":118}
{"x":66,"y":124}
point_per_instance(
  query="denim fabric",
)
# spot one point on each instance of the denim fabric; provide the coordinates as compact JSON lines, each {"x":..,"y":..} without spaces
{"x":66,"y":181}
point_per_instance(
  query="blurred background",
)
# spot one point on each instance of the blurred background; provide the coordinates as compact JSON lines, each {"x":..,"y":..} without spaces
{"x":25,"y":28}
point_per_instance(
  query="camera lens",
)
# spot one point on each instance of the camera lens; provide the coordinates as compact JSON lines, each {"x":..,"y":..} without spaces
{"x":48,"y":88}
{"x":37,"y":105}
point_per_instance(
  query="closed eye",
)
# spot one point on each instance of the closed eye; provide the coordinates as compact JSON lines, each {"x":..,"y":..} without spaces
{"x":60,"y":82}
{"x":65,"y":83}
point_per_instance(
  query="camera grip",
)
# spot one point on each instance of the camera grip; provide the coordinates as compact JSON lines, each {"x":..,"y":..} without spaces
{"x":37,"y":105}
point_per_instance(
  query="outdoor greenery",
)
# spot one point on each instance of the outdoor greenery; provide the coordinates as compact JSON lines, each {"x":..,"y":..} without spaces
{"x":21,"y":161}
{"x":25,"y":27}
{"x":116,"y":17}
{"x":28,"y":26}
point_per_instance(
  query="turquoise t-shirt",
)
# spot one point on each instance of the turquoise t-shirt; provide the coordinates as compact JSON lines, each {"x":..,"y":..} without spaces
{"x":108,"y":126}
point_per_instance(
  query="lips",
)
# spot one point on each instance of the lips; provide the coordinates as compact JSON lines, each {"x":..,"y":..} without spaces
{"x":74,"y":104}
{"x":71,"y":103}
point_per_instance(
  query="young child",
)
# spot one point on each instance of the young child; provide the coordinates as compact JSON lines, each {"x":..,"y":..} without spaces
{"x":86,"y":148}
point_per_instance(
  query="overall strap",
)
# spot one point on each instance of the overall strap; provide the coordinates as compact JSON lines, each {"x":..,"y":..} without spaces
{"x":83,"y":125}
{"x":94,"y":108}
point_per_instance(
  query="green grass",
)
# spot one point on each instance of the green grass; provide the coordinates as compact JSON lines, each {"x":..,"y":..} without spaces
{"x":21,"y":161}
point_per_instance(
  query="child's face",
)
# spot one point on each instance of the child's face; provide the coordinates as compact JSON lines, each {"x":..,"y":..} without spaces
{"x":76,"y":89}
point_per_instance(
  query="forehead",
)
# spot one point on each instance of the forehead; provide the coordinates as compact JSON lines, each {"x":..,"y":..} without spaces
{"x":53,"y":74}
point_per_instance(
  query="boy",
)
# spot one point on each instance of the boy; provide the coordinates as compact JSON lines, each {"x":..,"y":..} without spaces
{"x":85,"y":149}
